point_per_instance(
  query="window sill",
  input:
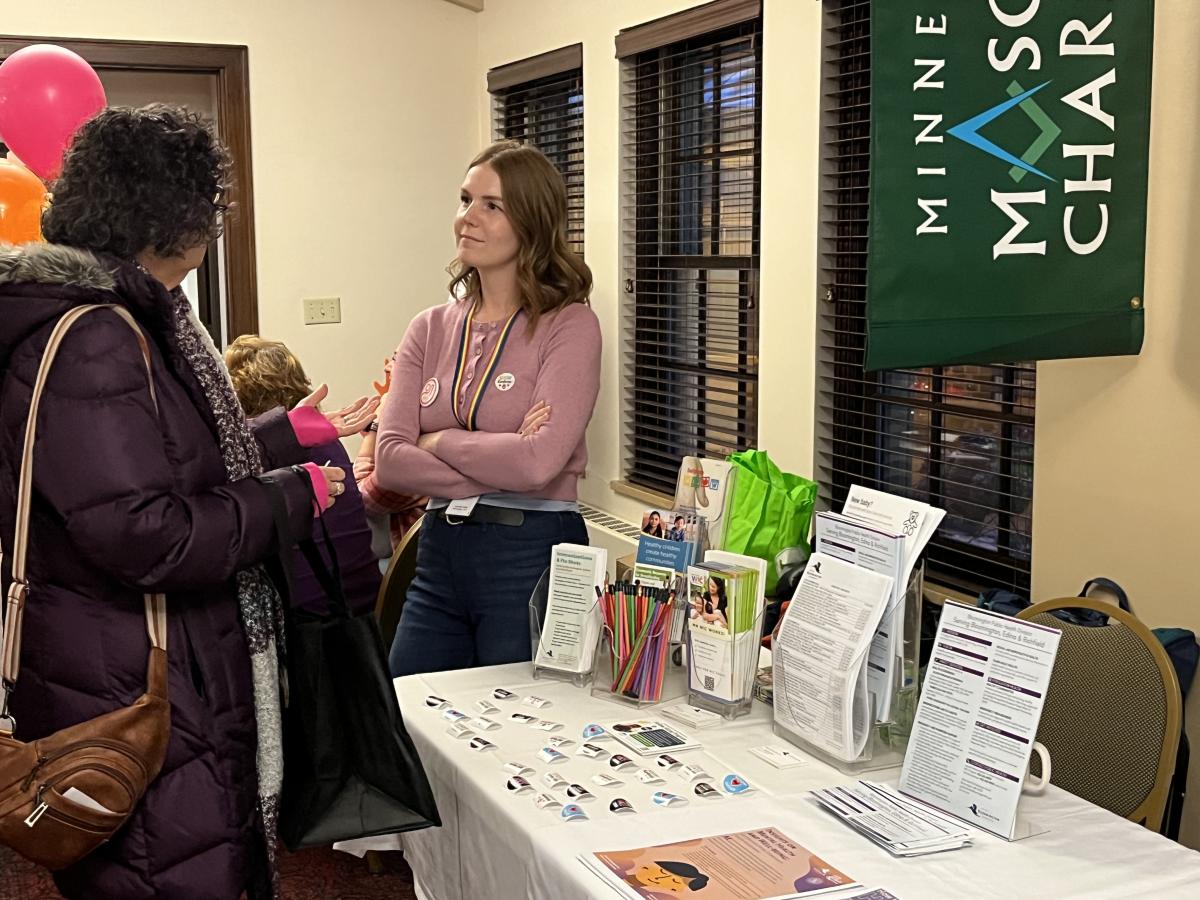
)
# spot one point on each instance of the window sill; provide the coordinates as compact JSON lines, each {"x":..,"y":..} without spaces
{"x":643,"y":495}
{"x":939,"y":594}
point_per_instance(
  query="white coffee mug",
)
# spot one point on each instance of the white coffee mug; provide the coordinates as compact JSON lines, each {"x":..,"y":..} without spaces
{"x":1035,"y":786}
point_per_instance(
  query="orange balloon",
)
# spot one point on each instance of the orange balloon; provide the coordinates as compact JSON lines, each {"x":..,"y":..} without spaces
{"x":22,"y":199}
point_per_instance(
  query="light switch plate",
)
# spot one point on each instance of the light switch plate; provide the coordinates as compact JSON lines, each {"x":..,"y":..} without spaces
{"x":322,"y":310}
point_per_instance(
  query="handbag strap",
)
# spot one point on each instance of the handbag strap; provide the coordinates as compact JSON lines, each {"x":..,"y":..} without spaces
{"x":328,"y":575}
{"x":18,"y":592}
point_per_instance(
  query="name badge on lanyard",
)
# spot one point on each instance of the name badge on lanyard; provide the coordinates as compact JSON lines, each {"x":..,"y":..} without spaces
{"x":468,"y":421}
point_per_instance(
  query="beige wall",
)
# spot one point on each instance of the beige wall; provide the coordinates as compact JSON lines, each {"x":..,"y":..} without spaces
{"x":1116,"y":451}
{"x":1118,"y":440}
{"x":358,"y":151}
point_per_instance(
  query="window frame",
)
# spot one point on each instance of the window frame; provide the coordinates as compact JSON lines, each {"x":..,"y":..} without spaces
{"x":540,"y":101}
{"x":659,"y":382}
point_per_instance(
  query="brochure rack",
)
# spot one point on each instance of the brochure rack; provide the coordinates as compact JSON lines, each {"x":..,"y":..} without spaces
{"x":887,"y":741}
{"x":537,"y":617}
{"x":735,"y":696}
{"x":674,"y":682}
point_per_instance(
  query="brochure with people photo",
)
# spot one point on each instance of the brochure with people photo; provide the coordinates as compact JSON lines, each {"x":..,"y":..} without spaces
{"x":762,"y":864}
{"x":671,"y":539}
{"x":724,"y":602}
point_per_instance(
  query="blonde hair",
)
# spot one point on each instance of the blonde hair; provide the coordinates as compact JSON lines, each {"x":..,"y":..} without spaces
{"x":550,"y":275}
{"x":265,"y":374}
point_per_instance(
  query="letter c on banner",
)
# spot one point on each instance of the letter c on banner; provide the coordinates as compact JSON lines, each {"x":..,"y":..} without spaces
{"x":1015,"y":20}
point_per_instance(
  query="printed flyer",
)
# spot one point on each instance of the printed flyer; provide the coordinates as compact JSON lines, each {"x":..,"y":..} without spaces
{"x":762,"y":864}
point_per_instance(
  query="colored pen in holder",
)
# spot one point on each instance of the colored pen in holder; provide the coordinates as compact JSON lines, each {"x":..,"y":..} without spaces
{"x":638,"y":624}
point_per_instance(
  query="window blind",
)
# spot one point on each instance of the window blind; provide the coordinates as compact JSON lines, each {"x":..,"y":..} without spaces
{"x":959,"y":437}
{"x":690,"y":185}
{"x":546,"y":110}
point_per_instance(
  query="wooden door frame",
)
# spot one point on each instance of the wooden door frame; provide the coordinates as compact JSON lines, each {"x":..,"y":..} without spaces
{"x":230,"y":64}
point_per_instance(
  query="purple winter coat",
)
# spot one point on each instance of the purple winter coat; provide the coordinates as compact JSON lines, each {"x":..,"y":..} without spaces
{"x":126,"y":502}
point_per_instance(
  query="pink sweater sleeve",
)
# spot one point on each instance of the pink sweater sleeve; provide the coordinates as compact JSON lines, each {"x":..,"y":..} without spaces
{"x":568,"y":380}
{"x":400,"y":465}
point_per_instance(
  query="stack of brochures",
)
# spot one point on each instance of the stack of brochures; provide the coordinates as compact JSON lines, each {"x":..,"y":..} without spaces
{"x":901,"y":826}
{"x":724,"y":612}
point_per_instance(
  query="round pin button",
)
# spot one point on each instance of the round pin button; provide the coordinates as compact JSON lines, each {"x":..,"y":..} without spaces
{"x":429,"y":392}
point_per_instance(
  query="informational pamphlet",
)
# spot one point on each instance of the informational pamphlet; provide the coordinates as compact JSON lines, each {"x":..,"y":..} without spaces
{"x":762,"y":864}
{"x":978,"y":715}
{"x":706,"y":486}
{"x":651,"y":737}
{"x":890,"y":513}
{"x":671,"y":540}
{"x":901,"y":826}
{"x":820,"y":653}
{"x":881,"y":552}
{"x":573,"y":618}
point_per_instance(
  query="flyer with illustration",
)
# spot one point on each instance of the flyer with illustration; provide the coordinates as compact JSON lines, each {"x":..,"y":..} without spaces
{"x":762,"y":864}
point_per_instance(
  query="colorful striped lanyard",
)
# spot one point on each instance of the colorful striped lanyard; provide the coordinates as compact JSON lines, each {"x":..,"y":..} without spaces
{"x":464,"y":347}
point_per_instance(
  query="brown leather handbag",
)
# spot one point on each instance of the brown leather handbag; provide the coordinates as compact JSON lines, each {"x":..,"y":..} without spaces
{"x":65,"y":794}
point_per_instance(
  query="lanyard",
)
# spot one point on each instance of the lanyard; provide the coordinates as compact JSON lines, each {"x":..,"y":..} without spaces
{"x":464,"y":347}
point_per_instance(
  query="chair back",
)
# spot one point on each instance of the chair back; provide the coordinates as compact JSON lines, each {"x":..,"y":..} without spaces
{"x":399,"y":575}
{"x":1113,"y":711}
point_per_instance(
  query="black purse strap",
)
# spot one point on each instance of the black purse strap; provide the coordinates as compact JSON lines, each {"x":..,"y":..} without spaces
{"x":328,"y":575}
{"x":1107,"y":584}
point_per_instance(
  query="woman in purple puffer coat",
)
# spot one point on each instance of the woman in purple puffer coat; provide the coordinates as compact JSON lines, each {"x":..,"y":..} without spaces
{"x":128,"y":500}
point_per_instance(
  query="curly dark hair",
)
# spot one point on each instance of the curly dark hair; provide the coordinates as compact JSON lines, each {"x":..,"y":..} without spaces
{"x":155,"y":177}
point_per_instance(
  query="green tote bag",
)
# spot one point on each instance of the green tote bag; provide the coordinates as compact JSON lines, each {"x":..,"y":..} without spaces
{"x":771,"y":510}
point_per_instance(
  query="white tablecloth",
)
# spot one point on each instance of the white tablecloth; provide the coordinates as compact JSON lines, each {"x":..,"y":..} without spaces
{"x":494,"y":845}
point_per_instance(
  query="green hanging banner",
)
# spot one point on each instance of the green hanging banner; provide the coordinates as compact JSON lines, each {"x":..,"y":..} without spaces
{"x":1009,"y":145}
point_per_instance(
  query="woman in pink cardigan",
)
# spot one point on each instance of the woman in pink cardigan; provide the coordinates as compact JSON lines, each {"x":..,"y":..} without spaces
{"x":489,"y":405}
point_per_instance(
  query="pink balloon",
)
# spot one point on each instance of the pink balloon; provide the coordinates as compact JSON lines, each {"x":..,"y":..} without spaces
{"x":46,"y":93}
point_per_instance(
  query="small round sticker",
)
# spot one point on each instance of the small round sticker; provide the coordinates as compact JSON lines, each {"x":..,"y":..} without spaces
{"x":735,"y":784}
{"x":505,"y":381}
{"x":429,"y":392}
{"x":573,"y":812}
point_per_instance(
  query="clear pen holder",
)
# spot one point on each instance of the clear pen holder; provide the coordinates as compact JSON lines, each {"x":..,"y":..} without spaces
{"x":655,"y":676}
{"x":886,"y":741}
{"x":573,"y":663}
{"x":722,"y":664}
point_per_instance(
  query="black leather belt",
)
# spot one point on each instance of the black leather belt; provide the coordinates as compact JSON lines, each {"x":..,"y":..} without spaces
{"x":497,"y":515}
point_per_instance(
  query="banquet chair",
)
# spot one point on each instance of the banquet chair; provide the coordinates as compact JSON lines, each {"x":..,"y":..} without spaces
{"x":1113,"y":712}
{"x":399,"y":575}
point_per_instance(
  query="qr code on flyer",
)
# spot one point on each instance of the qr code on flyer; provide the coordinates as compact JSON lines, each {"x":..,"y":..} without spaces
{"x":710,"y":683}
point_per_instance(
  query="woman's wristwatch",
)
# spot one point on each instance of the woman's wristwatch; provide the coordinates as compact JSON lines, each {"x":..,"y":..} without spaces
{"x":374,"y":426}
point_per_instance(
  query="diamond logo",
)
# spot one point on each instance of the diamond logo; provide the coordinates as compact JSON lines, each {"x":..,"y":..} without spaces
{"x":1026,"y":163}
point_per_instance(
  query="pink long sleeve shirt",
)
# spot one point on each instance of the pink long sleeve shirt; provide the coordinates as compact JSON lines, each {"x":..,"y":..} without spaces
{"x":558,"y":364}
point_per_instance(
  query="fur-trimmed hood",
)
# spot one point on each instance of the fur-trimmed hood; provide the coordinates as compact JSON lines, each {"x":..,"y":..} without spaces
{"x":54,"y":264}
{"x":40,"y":282}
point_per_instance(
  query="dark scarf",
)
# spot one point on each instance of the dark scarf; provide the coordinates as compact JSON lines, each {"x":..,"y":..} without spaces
{"x":261,"y":607}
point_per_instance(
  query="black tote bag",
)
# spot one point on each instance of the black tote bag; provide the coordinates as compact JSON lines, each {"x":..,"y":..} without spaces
{"x":350,"y":767}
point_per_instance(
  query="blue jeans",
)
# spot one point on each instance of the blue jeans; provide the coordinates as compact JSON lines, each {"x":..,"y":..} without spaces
{"x":468,"y":604}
